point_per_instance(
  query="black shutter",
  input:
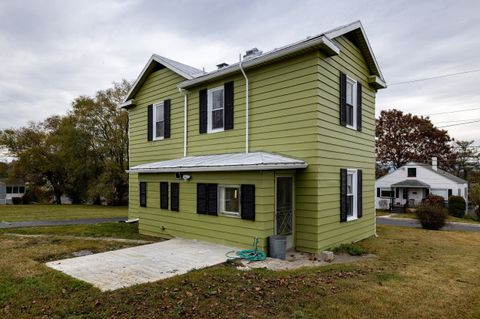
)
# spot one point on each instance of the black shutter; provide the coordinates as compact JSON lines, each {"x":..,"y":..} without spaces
{"x":166,"y":114}
{"x":203,"y":110}
{"x":150,"y":122}
{"x":174,"y":196}
{"x":202,"y":193}
{"x":343,"y":99}
{"x":247,"y":193}
{"x":228,"y":95}
{"x":359,"y":106}
{"x":359,"y":193}
{"x":143,"y":194}
{"x":163,"y":195}
{"x":212,"y":199}
{"x":449,"y":192}
{"x":343,"y":195}
{"x":378,"y":191}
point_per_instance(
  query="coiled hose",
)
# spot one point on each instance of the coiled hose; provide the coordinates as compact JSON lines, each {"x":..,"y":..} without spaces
{"x":248,"y":254}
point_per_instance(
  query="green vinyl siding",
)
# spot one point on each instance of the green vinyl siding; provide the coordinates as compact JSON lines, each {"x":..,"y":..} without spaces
{"x":293,"y":111}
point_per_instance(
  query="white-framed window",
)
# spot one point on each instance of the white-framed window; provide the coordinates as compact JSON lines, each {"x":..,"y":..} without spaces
{"x":352,"y":194}
{"x":229,"y":200}
{"x":158,"y":121}
{"x":387,"y":192}
{"x":216,"y":110}
{"x":351,"y":103}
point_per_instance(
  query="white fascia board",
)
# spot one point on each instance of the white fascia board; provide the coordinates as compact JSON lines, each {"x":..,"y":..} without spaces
{"x":377,"y":82}
{"x":127,"y":104}
{"x":219,"y":168}
{"x":327,"y":45}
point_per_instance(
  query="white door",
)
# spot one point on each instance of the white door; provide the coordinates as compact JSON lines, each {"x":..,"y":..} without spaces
{"x":284,"y":209}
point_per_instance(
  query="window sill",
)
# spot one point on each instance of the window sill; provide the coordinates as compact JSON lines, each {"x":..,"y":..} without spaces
{"x":227,"y":214}
{"x":350,"y":219}
{"x":158,"y":139}
{"x":215,"y":131}
{"x":351,"y":127}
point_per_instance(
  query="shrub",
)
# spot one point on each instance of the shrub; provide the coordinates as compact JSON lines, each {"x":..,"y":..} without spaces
{"x":434,"y":200}
{"x":351,"y":249}
{"x":17,"y":200}
{"x":432,"y":216}
{"x":456,"y":206}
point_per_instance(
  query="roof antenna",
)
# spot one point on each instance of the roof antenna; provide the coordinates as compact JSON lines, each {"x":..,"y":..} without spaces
{"x":203,"y":69}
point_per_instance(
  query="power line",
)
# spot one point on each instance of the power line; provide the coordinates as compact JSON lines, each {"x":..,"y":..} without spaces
{"x":455,"y":121}
{"x":434,"y":77}
{"x":459,"y":124}
{"x":448,"y":112}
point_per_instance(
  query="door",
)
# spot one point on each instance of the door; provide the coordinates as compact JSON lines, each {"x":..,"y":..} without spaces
{"x":284,"y":209}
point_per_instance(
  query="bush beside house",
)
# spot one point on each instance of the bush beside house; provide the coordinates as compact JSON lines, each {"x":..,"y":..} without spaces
{"x":457,"y":206}
{"x":431,"y":216}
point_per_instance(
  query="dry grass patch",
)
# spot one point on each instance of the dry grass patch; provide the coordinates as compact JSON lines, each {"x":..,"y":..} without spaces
{"x":418,"y":274}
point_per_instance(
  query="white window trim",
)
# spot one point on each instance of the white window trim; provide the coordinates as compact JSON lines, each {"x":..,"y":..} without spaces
{"x":221,"y":201}
{"x":354,"y":98}
{"x":210,"y":109}
{"x":154,"y":122}
{"x":355,"y":194}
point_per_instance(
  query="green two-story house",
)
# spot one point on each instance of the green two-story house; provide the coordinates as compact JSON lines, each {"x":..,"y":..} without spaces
{"x":281,"y":142}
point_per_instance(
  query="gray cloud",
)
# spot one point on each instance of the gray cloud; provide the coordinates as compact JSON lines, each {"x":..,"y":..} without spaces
{"x":53,"y":51}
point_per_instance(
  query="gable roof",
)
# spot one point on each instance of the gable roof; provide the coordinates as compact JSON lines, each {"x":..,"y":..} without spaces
{"x":439,"y":171}
{"x":222,"y":162}
{"x":186,"y":71}
{"x":323,"y":41}
{"x":411,"y":183}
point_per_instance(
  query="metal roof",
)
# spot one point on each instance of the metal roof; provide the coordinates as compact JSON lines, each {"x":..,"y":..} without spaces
{"x":411,"y":183}
{"x":321,"y":41}
{"x":222,"y":162}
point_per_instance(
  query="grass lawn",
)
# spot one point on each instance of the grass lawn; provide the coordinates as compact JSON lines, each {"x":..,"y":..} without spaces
{"x":450,"y":218}
{"x":418,"y":274}
{"x":13,"y":213}
{"x":383,"y":212}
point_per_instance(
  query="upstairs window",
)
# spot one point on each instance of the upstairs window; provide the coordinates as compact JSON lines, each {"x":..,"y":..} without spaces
{"x":412,"y":172}
{"x":159,"y":121}
{"x":351,"y":103}
{"x":216,"y":110}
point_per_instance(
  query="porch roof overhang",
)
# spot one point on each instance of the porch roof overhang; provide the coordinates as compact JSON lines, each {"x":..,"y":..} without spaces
{"x":222,"y":162}
{"x":413,"y":183}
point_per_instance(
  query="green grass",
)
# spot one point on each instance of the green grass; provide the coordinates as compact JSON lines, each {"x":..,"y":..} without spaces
{"x":450,"y":218}
{"x":383,"y":212}
{"x":417,"y":274}
{"x":13,"y":213}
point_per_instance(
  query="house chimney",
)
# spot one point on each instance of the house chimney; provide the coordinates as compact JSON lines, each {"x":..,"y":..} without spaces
{"x":434,"y":163}
{"x":222,"y":65}
{"x":252,"y":53}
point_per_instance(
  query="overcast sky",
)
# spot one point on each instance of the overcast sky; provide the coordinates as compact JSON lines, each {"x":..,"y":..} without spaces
{"x":53,"y":51}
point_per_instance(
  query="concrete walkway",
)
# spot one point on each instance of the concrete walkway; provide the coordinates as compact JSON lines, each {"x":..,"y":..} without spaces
{"x":409,"y":222}
{"x":85,"y":221}
{"x":137,"y":265}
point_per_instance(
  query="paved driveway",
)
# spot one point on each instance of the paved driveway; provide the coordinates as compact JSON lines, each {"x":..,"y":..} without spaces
{"x":137,"y":265}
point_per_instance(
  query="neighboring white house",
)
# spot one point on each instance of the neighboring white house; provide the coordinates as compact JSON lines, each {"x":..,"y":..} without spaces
{"x":411,"y":183}
{"x":10,"y":189}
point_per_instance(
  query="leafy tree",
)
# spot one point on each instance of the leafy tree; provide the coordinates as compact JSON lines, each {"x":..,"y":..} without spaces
{"x":401,"y":138}
{"x":467,"y":158}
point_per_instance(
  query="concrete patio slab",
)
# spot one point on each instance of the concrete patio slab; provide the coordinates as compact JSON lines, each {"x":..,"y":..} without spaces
{"x":137,"y":265}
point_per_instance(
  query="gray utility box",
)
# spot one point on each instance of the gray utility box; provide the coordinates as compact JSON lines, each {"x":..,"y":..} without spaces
{"x":277,"y":246}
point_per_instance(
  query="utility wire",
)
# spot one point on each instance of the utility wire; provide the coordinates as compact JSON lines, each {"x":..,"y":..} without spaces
{"x":448,"y":112}
{"x":459,"y":124}
{"x":434,"y":77}
{"x":455,"y":121}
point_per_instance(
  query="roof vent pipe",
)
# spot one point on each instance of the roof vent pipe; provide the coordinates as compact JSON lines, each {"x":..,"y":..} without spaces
{"x":434,"y":163}
{"x":252,"y":53}
{"x":246,"y":103}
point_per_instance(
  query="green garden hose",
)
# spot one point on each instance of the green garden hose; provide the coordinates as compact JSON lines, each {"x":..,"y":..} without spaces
{"x":249,"y":254}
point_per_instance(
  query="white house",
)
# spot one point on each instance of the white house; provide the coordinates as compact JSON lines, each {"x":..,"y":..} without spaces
{"x":10,"y":189}
{"x":411,"y":183}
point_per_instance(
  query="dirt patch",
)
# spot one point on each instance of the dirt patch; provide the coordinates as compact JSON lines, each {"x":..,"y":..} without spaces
{"x":299,"y":260}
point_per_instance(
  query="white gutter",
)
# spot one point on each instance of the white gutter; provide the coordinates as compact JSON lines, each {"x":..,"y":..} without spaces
{"x":184,"y":92}
{"x":220,"y":168}
{"x":246,"y":103}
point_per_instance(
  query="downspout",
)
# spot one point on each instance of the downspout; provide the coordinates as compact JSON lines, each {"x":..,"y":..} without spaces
{"x":184,"y":92}
{"x":246,"y":103}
